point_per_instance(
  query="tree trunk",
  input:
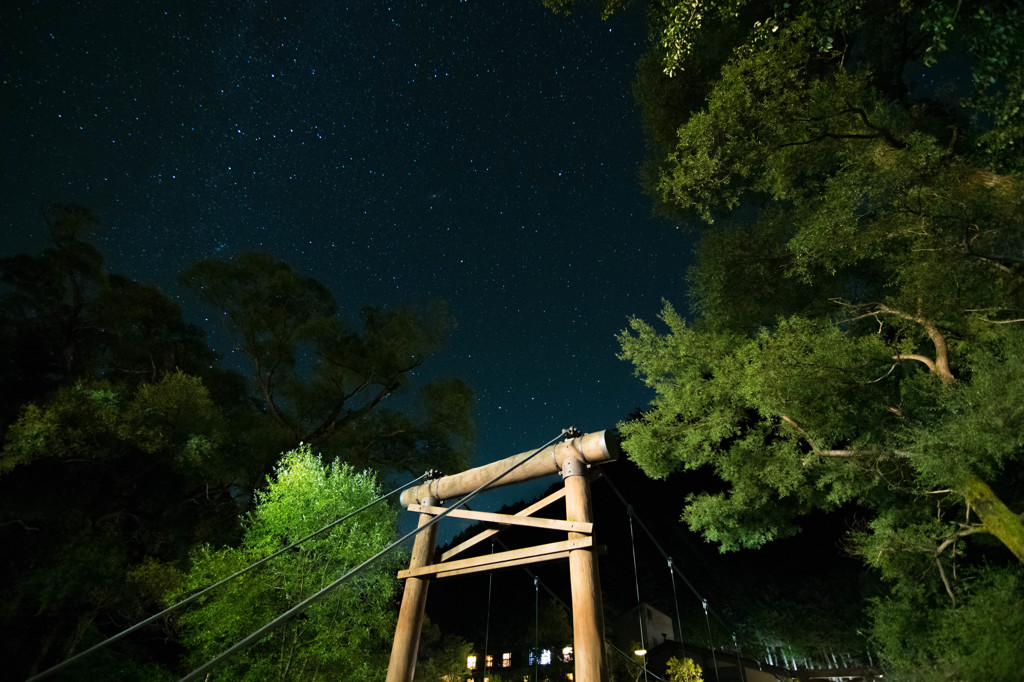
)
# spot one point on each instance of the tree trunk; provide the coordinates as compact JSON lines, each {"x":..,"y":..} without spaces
{"x":996,"y":517}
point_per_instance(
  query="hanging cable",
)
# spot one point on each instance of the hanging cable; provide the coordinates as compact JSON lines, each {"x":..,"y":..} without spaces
{"x":636,"y":579}
{"x":295,"y":610}
{"x":536,"y":627}
{"x":675,"y":570}
{"x":487,"y":625}
{"x":675,"y":600}
{"x":663,"y":552}
{"x":630,"y":660}
{"x":711,"y":643}
{"x":650,"y":535}
{"x":739,"y":661}
{"x":147,"y":621}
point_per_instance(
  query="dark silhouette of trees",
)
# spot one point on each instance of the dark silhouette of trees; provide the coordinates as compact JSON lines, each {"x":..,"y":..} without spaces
{"x":126,"y":446}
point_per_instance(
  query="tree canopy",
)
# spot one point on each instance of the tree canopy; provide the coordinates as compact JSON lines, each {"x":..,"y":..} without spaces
{"x":342,"y":637}
{"x":852,"y":173}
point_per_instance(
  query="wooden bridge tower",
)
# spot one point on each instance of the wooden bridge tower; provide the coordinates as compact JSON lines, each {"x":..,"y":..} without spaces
{"x":571,"y":458}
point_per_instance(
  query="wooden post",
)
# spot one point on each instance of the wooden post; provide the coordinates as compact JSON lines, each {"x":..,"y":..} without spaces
{"x":414,"y":602}
{"x":587,"y":612}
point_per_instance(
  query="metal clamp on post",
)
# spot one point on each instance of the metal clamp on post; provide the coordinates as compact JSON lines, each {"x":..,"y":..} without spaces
{"x":567,"y":437}
{"x":573,"y":467}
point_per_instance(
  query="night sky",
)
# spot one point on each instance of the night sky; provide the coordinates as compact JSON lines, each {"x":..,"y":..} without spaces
{"x":481,"y":152}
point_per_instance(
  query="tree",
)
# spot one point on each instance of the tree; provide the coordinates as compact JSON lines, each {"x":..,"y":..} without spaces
{"x":442,"y":657}
{"x":45,"y":324}
{"x":857,"y":299}
{"x":64,"y":318}
{"x":684,"y":670}
{"x":342,"y":637}
{"x":102,"y":489}
{"x":326,"y":384}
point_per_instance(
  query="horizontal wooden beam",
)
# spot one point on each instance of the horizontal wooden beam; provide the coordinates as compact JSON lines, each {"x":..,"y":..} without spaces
{"x":491,"y":532}
{"x":554,"y":556}
{"x":508,"y":519}
{"x":489,"y":561}
{"x":590,"y":448}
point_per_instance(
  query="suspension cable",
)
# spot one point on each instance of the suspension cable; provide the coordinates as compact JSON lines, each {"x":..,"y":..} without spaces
{"x":711,"y":643}
{"x":110,"y":640}
{"x":657,"y":545}
{"x":536,"y":627}
{"x":630,"y":660}
{"x":675,"y":600}
{"x":290,"y":613}
{"x":739,"y":659}
{"x":487,"y":625}
{"x":674,"y":568}
{"x":636,"y":579}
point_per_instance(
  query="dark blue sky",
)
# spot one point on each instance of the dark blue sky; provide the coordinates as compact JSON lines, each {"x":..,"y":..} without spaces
{"x":481,"y":152}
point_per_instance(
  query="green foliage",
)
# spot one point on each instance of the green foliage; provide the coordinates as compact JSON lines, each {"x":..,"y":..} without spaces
{"x":857,"y":294}
{"x":927,"y":639}
{"x":173,"y":418}
{"x":684,"y":670}
{"x":747,"y":407}
{"x":342,"y":637}
{"x":138,"y":475}
{"x":608,"y":7}
{"x":125,"y":446}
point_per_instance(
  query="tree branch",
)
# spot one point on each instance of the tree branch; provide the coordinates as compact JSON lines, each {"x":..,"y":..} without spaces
{"x":945,"y":581}
{"x":927,"y":361}
{"x":818,"y":451}
{"x":938,"y":366}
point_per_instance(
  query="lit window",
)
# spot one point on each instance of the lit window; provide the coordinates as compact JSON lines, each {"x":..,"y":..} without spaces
{"x":545,"y":657}
{"x":567,"y":653}
{"x":488,"y":661}
{"x":471,"y":662}
{"x":506,"y":659}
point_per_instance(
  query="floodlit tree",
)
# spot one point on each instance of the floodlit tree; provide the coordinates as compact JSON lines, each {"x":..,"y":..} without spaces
{"x":344,"y":636}
{"x":683,"y":670}
{"x":856,"y":336}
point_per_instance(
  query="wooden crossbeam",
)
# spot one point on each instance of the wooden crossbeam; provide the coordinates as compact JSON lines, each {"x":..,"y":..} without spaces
{"x":491,"y":532}
{"x":505,"y":564}
{"x":514,"y":557}
{"x":508,"y":519}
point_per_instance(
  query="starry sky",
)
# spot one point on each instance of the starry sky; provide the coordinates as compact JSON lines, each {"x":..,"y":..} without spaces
{"x":477,"y":151}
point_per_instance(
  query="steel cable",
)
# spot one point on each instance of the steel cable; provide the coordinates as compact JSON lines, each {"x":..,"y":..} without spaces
{"x":295,"y":610}
{"x":147,"y":621}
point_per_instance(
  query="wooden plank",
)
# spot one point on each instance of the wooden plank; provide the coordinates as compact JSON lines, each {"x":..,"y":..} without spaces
{"x":508,"y":519}
{"x":501,"y":557}
{"x":491,"y":532}
{"x":504,"y":564}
